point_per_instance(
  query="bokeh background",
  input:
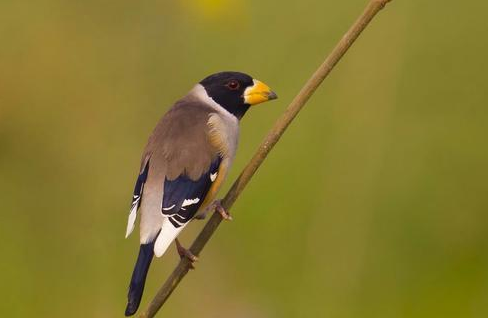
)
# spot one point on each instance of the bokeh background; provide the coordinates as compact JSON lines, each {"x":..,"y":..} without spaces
{"x":373,"y":204}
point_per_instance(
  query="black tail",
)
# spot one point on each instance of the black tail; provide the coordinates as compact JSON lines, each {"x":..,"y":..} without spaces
{"x":136,"y":287}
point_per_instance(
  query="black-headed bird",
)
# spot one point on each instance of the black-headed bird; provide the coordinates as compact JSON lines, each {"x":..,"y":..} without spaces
{"x":185,"y":162}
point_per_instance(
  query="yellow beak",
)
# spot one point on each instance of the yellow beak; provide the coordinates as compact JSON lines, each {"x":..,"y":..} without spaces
{"x":258,"y":93}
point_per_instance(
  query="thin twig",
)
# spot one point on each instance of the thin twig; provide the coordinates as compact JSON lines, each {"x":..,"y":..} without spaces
{"x":373,"y":7}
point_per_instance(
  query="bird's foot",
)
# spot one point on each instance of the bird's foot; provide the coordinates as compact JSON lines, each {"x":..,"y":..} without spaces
{"x":217,"y":206}
{"x":183,"y":252}
{"x":222,"y":211}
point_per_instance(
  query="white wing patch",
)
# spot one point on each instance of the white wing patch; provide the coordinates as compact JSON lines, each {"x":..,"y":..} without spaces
{"x":188,"y":202}
{"x":213,"y":176}
{"x":169,"y":208}
{"x":132,"y":215}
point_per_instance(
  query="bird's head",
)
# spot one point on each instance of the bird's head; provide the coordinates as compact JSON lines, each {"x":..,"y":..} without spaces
{"x":236,"y":91}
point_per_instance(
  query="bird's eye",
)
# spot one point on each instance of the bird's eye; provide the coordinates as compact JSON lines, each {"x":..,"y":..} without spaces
{"x":233,"y":85}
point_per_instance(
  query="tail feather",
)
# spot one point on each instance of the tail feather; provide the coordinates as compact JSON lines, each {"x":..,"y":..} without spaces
{"x":136,"y":287}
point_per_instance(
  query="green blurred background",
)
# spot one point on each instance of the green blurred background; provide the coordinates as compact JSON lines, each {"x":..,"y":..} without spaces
{"x":373,"y":204}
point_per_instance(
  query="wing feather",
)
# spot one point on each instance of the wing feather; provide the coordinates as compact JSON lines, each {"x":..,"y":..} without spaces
{"x":183,"y":196}
{"x":136,"y":199}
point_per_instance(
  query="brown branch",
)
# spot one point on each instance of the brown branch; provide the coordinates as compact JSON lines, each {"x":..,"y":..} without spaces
{"x":373,"y":7}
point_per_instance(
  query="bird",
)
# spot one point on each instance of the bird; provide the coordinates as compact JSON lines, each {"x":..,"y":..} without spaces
{"x":184,"y":163}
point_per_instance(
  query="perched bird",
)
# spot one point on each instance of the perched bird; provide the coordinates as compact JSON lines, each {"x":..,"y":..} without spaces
{"x":185,"y":162}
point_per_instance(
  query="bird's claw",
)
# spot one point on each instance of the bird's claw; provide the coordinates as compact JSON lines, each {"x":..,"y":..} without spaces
{"x":183,"y":252}
{"x":217,"y":206}
{"x":221,"y":210}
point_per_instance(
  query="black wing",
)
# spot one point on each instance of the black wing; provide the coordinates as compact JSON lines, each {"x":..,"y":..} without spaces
{"x":183,"y":196}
